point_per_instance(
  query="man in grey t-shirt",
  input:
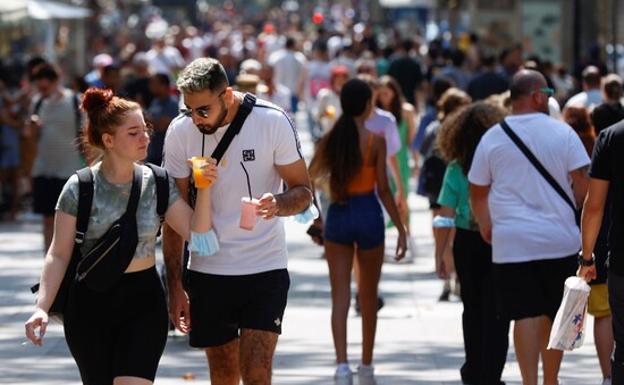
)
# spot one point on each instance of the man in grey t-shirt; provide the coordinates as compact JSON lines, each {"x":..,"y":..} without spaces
{"x":55,"y":122}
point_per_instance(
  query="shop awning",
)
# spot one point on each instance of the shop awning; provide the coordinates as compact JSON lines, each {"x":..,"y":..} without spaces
{"x":15,"y":11}
{"x":46,"y":10}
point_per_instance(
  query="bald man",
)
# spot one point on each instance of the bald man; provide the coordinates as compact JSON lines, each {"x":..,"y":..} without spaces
{"x":532,"y":228}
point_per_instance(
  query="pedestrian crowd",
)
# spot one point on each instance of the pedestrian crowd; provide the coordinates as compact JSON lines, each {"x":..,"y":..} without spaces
{"x":500,"y":145}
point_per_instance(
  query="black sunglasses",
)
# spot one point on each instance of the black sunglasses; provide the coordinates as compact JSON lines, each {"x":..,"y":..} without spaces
{"x":203,"y":111}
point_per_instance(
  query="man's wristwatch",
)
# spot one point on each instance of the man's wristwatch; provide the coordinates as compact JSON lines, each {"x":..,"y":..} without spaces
{"x":586,"y":262}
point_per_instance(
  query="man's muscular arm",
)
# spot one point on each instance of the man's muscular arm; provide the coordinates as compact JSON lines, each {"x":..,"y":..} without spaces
{"x":173,"y":251}
{"x":580,"y":184}
{"x":292,"y":201}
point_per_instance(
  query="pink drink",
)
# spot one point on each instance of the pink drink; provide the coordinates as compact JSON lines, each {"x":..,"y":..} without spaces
{"x":248,"y":213}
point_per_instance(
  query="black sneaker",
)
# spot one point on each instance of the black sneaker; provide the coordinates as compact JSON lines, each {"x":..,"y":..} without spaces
{"x":445,"y":296}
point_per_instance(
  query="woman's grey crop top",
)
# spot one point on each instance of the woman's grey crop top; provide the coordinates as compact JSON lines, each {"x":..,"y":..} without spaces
{"x":109,"y":204}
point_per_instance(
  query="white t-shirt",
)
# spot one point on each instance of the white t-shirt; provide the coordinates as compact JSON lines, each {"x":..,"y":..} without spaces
{"x":530,"y":221}
{"x":57,"y":149}
{"x":588,"y":99}
{"x":383,"y":123}
{"x":267,"y":138}
{"x":288,"y":66}
{"x":166,"y":60}
{"x":328,"y":100}
{"x":281,"y":97}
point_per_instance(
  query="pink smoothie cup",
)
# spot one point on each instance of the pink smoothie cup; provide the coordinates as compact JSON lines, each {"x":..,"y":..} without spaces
{"x":248,"y":213}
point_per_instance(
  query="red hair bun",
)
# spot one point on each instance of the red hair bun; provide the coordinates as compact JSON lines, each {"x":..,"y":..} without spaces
{"x":96,"y":99}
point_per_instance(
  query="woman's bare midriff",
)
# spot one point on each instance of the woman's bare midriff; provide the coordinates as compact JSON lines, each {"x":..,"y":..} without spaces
{"x":139,"y":264}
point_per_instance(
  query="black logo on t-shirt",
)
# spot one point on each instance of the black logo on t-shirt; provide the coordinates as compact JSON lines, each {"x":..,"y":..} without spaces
{"x":249,"y":155}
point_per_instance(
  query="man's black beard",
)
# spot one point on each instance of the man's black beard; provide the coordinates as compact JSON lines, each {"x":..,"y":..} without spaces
{"x":211,"y":129}
{"x":207,"y":130}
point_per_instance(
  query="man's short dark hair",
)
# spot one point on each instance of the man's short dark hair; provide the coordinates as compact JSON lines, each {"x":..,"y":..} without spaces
{"x":525,"y":82}
{"x":407,"y":45}
{"x":591,"y":76}
{"x":107,"y":70}
{"x":457,"y":57}
{"x":290,"y":42}
{"x":45,"y":71}
{"x":33,"y":63}
{"x":488,"y":60}
{"x":163,"y":79}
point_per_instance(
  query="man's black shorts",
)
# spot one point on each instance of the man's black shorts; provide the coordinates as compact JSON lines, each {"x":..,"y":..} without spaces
{"x":531,"y":289}
{"x":221,"y":305}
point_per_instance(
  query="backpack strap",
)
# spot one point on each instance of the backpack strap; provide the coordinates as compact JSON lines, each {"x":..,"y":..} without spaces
{"x":162,"y":190}
{"x":38,"y":104}
{"x":77,"y":114}
{"x":85,"y":200}
{"x":135,"y":190}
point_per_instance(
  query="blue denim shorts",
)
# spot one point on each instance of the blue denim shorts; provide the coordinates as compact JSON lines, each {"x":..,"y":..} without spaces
{"x":359,"y":221}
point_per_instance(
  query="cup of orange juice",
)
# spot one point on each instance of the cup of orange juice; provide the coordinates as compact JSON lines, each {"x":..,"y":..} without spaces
{"x":198,"y":174}
{"x":330,"y":111}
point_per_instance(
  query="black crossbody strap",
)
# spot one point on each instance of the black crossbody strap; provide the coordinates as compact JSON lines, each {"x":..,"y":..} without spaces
{"x":85,"y":199}
{"x":249,"y":101}
{"x":135,"y":191}
{"x":162,"y":190}
{"x":536,"y":163}
{"x":38,"y":104}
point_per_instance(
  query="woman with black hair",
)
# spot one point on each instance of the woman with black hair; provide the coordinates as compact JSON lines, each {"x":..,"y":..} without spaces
{"x":351,"y":163}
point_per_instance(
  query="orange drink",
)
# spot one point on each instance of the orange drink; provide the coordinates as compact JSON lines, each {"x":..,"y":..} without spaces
{"x":200,"y":180}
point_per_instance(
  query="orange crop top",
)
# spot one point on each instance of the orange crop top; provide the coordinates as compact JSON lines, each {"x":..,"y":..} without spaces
{"x":366,"y":179}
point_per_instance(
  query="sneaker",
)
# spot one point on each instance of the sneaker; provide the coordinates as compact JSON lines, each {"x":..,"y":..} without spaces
{"x":343,"y":372}
{"x":366,"y":375}
{"x":445,"y":296}
{"x":366,"y":371}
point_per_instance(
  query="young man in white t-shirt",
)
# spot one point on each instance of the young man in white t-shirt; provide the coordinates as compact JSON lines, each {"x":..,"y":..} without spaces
{"x":532,"y":229}
{"x":237,"y":296}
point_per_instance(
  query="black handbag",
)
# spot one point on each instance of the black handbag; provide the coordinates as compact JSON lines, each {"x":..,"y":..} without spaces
{"x":105,"y":263}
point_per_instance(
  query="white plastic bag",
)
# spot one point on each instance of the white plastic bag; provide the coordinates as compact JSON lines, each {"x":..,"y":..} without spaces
{"x":567,"y":331}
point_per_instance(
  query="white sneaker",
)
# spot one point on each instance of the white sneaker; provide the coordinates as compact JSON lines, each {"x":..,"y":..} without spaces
{"x":366,"y":375}
{"x":343,"y":371}
{"x":366,"y":371}
{"x":606,"y":381}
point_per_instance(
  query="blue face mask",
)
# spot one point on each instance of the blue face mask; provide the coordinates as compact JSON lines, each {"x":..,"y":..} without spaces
{"x":307,"y":215}
{"x":204,"y":244}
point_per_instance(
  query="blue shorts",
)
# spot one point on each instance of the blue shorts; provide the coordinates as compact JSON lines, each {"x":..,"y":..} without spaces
{"x":9,"y":147}
{"x":359,"y":221}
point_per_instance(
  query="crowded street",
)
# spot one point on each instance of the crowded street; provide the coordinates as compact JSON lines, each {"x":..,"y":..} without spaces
{"x":419,"y":340}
